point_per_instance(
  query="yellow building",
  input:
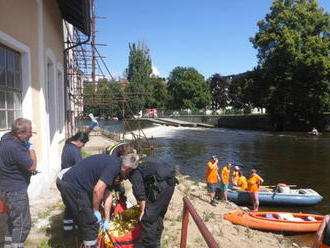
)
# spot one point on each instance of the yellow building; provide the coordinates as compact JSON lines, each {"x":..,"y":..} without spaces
{"x":32,"y":74}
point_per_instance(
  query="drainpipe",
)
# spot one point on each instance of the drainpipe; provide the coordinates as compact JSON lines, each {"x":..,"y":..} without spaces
{"x":66,"y":84}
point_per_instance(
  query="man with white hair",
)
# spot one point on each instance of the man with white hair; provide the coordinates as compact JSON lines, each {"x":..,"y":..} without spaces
{"x":17,"y":163}
{"x":82,"y":189}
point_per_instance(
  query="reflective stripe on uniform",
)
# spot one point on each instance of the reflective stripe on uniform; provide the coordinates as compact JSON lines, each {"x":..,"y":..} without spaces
{"x":67,"y":225}
{"x":8,"y":241}
{"x":17,"y":245}
{"x":90,"y":242}
{"x":66,"y":221}
{"x":67,"y":228}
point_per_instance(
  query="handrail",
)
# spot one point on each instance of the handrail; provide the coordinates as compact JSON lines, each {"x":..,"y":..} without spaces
{"x":189,"y":208}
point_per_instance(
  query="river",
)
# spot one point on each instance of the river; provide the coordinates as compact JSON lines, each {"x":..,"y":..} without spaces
{"x":279,"y":157}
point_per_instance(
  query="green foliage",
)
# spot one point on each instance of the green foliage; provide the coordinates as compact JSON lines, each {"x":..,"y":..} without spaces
{"x":219,"y":89}
{"x":104,"y":91}
{"x":135,"y":103}
{"x":157,"y":93}
{"x":188,"y":89}
{"x":239,"y":92}
{"x":139,"y":63}
{"x":293,"y":45}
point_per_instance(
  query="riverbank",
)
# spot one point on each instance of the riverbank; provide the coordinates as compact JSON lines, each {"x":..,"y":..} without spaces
{"x":48,"y":213}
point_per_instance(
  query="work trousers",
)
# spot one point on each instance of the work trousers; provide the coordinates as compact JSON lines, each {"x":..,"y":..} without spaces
{"x":18,"y":219}
{"x":152,"y":221}
{"x":68,"y":223}
{"x":79,"y":202}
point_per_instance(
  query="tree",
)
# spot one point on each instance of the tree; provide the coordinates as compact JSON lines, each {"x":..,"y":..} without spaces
{"x":103,"y":91}
{"x":157,"y":94}
{"x":293,"y":50}
{"x":136,"y":101}
{"x":188,"y":89}
{"x":139,"y":63}
{"x":219,"y":90}
{"x":239,"y":92}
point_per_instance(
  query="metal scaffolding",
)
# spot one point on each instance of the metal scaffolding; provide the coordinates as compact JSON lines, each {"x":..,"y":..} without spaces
{"x":85,"y":66}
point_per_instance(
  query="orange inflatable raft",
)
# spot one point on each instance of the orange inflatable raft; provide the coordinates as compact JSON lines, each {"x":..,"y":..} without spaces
{"x":276,"y":221}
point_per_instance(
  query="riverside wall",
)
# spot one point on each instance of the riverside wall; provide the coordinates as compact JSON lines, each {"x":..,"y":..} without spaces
{"x":257,"y":122}
{"x":254,"y":122}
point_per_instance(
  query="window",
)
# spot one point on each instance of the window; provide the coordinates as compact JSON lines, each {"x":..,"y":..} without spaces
{"x":10,"y":86}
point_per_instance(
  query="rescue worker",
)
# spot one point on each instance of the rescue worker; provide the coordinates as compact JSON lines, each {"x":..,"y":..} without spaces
{"x":235,"y":176}
{"x":212,"y":179}
{"x":224,"y":178}
{"x":322,"y":238}
{"x":153,"y":184}
{"x":82,"y":189}
{"x":71,"y":155}
{"x":119,"y":150}
{"x":116,"y":149}
{"x":254,"y":182}
{"x":17,"y":163}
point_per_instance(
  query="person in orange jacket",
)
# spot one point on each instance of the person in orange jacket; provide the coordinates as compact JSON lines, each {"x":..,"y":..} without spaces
{"x":242,"y":182}
{"x":235,"y":176}
{"x":212,"y":178}
{"x":224,"y":178}
{"x":254,"y":182}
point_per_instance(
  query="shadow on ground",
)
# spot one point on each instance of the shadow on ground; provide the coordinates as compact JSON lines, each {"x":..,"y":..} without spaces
{"x":53,"y":236}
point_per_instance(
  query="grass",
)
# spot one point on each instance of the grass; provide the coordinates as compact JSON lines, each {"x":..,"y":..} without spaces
{"x":84,"y":153}
{"x":48,"y":211}
{"x":207,"y":216}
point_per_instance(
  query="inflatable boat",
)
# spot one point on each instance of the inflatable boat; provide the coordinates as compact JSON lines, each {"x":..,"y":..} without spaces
{"x":290,"y":197}
{"x":276,"y":221}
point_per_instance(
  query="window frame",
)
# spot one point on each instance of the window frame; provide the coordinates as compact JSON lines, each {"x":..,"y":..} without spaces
{"x":12,"y":86}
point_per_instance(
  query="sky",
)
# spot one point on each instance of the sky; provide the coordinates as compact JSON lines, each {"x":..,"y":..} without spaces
{"x":211,"y":35}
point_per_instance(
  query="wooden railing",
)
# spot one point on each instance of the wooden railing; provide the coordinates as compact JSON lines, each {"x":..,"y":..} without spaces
{"x":188,"y":208}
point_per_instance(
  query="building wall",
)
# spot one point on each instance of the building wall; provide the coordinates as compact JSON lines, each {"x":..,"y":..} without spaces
{"x":35,"y":29}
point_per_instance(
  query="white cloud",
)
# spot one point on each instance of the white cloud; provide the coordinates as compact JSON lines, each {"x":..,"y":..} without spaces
{"x":155,"y":71}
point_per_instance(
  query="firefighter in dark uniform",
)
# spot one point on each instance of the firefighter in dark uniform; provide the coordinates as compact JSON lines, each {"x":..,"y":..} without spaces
{"x":118,"y":150}
{"x":82,"y":189}
{"x":153,"y":184}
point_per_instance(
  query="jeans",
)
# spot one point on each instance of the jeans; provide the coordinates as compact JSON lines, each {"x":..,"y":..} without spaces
{"x":19,"y":218}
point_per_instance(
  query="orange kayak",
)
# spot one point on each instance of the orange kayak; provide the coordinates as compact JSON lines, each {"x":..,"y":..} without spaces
{"x":276,"y":221}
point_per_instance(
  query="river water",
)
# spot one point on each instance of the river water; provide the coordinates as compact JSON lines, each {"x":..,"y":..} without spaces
{"x":287,"y":157}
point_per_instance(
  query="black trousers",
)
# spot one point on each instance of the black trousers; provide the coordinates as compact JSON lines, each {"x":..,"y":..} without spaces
{"x":79,"y":202}
{"x":152,"y":221}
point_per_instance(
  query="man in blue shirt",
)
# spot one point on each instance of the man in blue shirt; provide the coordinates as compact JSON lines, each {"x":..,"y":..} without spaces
{"x":82,"y":188}
{"x":17,"y":164}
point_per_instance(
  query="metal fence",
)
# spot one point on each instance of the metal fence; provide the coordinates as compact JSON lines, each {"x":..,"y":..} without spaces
{"x":188,"y":208}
